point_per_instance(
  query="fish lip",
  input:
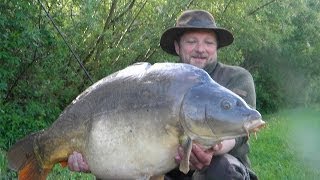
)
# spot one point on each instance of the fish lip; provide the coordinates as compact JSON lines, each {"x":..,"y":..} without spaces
{"x":254,"y":123}
{"x":253,"y":126}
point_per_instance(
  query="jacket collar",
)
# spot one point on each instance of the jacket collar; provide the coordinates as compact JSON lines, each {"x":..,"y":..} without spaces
{"x":211,"y":67}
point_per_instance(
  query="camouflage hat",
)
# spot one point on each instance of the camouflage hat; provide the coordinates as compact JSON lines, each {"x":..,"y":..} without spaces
{"x":194,"y":20}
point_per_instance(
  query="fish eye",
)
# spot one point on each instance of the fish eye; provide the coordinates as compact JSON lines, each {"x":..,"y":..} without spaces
{"x":226,"y":105}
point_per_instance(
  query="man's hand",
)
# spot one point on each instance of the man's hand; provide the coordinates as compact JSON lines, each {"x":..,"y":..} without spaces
{"x":201,"y":157}
{"x":76,"y":162}
{"x":224,"y":146}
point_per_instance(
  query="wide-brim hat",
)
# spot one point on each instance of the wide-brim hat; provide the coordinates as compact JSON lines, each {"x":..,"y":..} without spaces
{"x":194,"y":20}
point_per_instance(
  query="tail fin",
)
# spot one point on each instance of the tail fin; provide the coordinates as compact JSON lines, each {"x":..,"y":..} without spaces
{"x":22,"y":158}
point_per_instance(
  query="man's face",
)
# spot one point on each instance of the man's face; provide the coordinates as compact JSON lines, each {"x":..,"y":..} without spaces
{"x":198,"y":48}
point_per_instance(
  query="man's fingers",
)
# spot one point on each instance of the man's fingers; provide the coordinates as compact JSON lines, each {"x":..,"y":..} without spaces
{"x":73,"y":162}
{"x":76,"y":162}
{"x":217,"y":147}
{"x":194,"y":162}
{"x":203,"y":156}
{"x":177,"y":158}
{"x":82,"y":165}
{"x":179,"y":155}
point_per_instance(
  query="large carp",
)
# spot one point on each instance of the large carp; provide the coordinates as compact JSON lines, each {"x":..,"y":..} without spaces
{"x":130,"y":124}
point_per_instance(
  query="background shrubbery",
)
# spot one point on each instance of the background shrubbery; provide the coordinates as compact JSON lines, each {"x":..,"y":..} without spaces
{"x":277,"y":41}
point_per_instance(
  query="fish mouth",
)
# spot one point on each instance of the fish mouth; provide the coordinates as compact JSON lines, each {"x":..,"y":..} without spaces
{"x":253,"y":126}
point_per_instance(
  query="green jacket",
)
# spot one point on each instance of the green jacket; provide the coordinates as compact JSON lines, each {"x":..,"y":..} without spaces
{"x":240,"y":81}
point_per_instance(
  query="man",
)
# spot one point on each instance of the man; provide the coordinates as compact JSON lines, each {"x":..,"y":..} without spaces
{"x":196,"y":39}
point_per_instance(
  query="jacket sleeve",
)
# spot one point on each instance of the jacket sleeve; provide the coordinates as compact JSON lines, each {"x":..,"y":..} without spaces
{"x":243,"y":85}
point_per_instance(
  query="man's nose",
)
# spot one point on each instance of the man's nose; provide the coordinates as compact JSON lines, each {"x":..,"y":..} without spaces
{"x":200,"y":47}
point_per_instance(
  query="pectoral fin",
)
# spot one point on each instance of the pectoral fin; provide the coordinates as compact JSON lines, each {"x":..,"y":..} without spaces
{"x":187,"y":146}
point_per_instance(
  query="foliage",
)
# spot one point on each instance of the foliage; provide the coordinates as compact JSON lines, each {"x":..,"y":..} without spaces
{"x":64,"y":173}
{"x":5,"y":173}
{"x":277,"y":41}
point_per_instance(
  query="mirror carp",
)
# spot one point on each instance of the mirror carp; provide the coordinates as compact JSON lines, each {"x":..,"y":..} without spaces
{"x":129,"y":124}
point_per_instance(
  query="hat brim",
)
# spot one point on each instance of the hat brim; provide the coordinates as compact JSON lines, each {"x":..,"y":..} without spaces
{"x":224,"y":37}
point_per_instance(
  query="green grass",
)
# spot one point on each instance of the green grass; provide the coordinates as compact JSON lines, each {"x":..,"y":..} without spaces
{"x":5,"y":173}
{"x":287,"y":148}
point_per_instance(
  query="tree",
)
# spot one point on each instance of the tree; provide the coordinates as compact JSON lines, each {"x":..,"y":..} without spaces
{"x":274,"y":40}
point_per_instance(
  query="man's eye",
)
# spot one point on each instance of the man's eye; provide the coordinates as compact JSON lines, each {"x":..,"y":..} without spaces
{"x":211,"y":42}
{"x":191,"y":41}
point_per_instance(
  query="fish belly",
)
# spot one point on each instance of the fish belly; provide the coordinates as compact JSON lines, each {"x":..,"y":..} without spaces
{"x":118,"y":149}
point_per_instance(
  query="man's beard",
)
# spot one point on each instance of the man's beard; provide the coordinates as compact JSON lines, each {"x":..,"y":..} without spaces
{"x":210,"y":67}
